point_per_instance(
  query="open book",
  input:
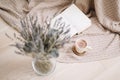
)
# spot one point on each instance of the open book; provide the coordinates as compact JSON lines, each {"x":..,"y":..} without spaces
{"x":74,"y":17}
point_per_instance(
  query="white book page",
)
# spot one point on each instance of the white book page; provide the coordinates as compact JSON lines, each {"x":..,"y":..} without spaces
{"x":74,"y":17}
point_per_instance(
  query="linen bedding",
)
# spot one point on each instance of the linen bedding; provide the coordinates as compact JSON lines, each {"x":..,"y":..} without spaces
{"x":103,"y":35}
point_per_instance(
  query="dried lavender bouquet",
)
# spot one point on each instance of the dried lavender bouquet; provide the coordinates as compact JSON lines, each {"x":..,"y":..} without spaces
{"x":41,"y":40}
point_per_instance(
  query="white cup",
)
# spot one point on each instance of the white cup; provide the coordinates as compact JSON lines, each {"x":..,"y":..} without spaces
{"x":81,"y":46}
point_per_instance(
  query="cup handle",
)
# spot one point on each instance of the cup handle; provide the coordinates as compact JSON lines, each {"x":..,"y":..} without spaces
{"x":87,"y":48}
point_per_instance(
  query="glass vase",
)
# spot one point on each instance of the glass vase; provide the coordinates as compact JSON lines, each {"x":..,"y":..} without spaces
{"x":44,"y":67}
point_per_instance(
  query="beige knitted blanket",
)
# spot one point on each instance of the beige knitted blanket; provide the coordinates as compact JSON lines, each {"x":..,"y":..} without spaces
{"x":103,"y":35}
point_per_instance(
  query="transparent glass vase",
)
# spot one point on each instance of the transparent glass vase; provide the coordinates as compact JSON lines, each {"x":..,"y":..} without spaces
{"x":44,"y":67}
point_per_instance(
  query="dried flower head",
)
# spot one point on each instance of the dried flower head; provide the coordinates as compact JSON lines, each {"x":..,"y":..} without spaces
{"x":41,"y":40}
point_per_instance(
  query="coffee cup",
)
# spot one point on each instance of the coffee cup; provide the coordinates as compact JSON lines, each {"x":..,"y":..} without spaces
{"x":81,"y":47}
